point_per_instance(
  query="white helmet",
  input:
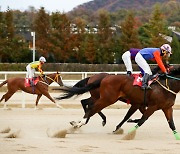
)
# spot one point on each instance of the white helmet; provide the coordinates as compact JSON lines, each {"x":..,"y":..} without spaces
{"x":42,"y":59}
{"x":166,"y":47}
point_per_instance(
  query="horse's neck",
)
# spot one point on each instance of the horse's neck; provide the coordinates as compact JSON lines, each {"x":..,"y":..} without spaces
{"x":171,"y":84}
{"x":174,"y":85}
{"x":50,"y":79}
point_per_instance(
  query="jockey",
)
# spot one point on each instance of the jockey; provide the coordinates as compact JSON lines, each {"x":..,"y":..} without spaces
{"x":32,"y":66}
{"x":152,"y":54}
{"x":127,"y":57}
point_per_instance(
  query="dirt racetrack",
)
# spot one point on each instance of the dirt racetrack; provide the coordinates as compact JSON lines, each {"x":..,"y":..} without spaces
{"x":28,"y":130}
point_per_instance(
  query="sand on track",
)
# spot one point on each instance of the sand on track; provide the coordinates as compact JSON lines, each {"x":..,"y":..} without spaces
{"x":154,"y":136}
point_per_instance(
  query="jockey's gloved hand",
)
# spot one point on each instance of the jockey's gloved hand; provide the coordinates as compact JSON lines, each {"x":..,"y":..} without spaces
{"x":43,"y":75}
{"x":163,"y":74}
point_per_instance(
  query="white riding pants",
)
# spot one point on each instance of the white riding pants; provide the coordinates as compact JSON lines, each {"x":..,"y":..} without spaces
{"x":126,"y":57}
{"x":30,"y":72}
{"x":142,"y":63}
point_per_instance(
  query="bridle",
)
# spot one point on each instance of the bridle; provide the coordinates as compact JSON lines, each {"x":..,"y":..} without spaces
{"x":56,"y":78}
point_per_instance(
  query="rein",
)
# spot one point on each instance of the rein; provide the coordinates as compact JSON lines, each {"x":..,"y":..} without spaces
{"x":171,"y":77}
{"x":54,"y":80}
{"x":167,"y":87}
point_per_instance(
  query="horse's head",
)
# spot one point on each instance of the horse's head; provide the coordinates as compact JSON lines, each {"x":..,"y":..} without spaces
{"x":56,"y":77}
{"x":173,"y":79}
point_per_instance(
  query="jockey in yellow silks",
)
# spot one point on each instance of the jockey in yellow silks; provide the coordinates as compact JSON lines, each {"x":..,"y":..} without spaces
{"x":31,"y":67}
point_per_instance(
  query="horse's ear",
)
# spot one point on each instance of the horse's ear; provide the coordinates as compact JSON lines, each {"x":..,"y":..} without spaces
{"x":57,"y":72}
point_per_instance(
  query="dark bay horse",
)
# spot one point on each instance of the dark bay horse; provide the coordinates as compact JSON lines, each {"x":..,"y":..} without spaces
{"x":41,"y":88}
{"x":95,"y":95}
{"x":162,"y":96}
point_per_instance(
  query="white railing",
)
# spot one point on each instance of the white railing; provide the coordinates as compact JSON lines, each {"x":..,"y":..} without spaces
{"x":4,"y":75}
{"x":81,"y":75}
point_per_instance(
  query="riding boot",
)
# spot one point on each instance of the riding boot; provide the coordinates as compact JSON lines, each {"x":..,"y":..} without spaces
{"x":145,"y":82}
{"x":129,"y":73}
{"x":31,"y":82}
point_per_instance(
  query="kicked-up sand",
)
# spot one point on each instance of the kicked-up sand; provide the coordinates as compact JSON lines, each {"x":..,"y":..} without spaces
{"x":30,"y":131}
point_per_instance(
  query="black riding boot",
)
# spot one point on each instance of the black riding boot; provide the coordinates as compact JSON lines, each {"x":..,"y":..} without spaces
{"x":31,"y":82}
{"x":129,"y":73}
{"x":145,"y":82}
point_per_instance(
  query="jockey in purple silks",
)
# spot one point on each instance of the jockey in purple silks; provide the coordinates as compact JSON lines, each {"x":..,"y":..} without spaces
{"x":141,"y":55}
{"x":153,"y":54}
{"x":127,"y":57}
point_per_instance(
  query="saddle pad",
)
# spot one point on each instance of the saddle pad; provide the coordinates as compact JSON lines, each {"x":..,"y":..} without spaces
{"x":137,"y":80}
{"x":27,"y":81}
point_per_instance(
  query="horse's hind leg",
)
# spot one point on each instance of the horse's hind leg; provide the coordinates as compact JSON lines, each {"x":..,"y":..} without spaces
{"x":6,"y":97}
{"x":3,"y":97}
{"x":103,"y":117}
{"x":37,"y":100}
{"x":142,"y":109}
{"x":84,"y":104}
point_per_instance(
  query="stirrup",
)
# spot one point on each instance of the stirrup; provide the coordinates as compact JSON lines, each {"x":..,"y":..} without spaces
{"x":146,"y":87}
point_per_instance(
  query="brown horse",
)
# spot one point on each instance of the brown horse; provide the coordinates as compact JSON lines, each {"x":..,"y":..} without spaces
{"x":88,"y":103}
{"x":41,"y":88}
{"x":162,"y":96}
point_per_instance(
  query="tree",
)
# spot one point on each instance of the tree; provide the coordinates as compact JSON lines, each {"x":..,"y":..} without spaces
{"x":61,"y":37}
{"x":157,"y":28}
{"x":42,"y":29}
{"x":8,"y":36}
{"x":79,"y":38}
{"x":129,"y":37}
{"x":104,"y":52}
{"x":176,"y":50}
{"x":9,"y":25}
{"x":2,"y":37}
{"x":90,"y":47}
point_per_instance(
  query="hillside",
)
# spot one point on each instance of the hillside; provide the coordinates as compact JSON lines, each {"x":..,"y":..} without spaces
{"x":114,"y":5}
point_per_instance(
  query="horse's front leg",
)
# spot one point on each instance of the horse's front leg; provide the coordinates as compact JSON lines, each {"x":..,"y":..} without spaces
{"x":150,"y":110}
{"x":45,"y":93}
{"x":130,"y":112}
{"x":169,"y":116}
{"x":37,"y":100}
{"x":88,"y":104}
{"x":85,"y":105}
{"x":96,"y":108}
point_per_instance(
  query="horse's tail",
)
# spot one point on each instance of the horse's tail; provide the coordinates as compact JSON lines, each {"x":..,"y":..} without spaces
{"x":82,"y":83}
{"x":71,"y":91}
{"x":3,"y":83}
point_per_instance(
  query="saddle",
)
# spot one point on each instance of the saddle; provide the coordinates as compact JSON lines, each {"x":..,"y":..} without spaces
{"x":27,"y":81}
{"x":138,"y":79}
{"x":138,"y":82}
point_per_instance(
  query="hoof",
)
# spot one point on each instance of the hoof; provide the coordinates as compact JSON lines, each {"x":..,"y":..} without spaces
{"x":59,"y":106}
{"x":118,"y":131}
{"x":73,"y":123}
{"x":103,"y":123}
